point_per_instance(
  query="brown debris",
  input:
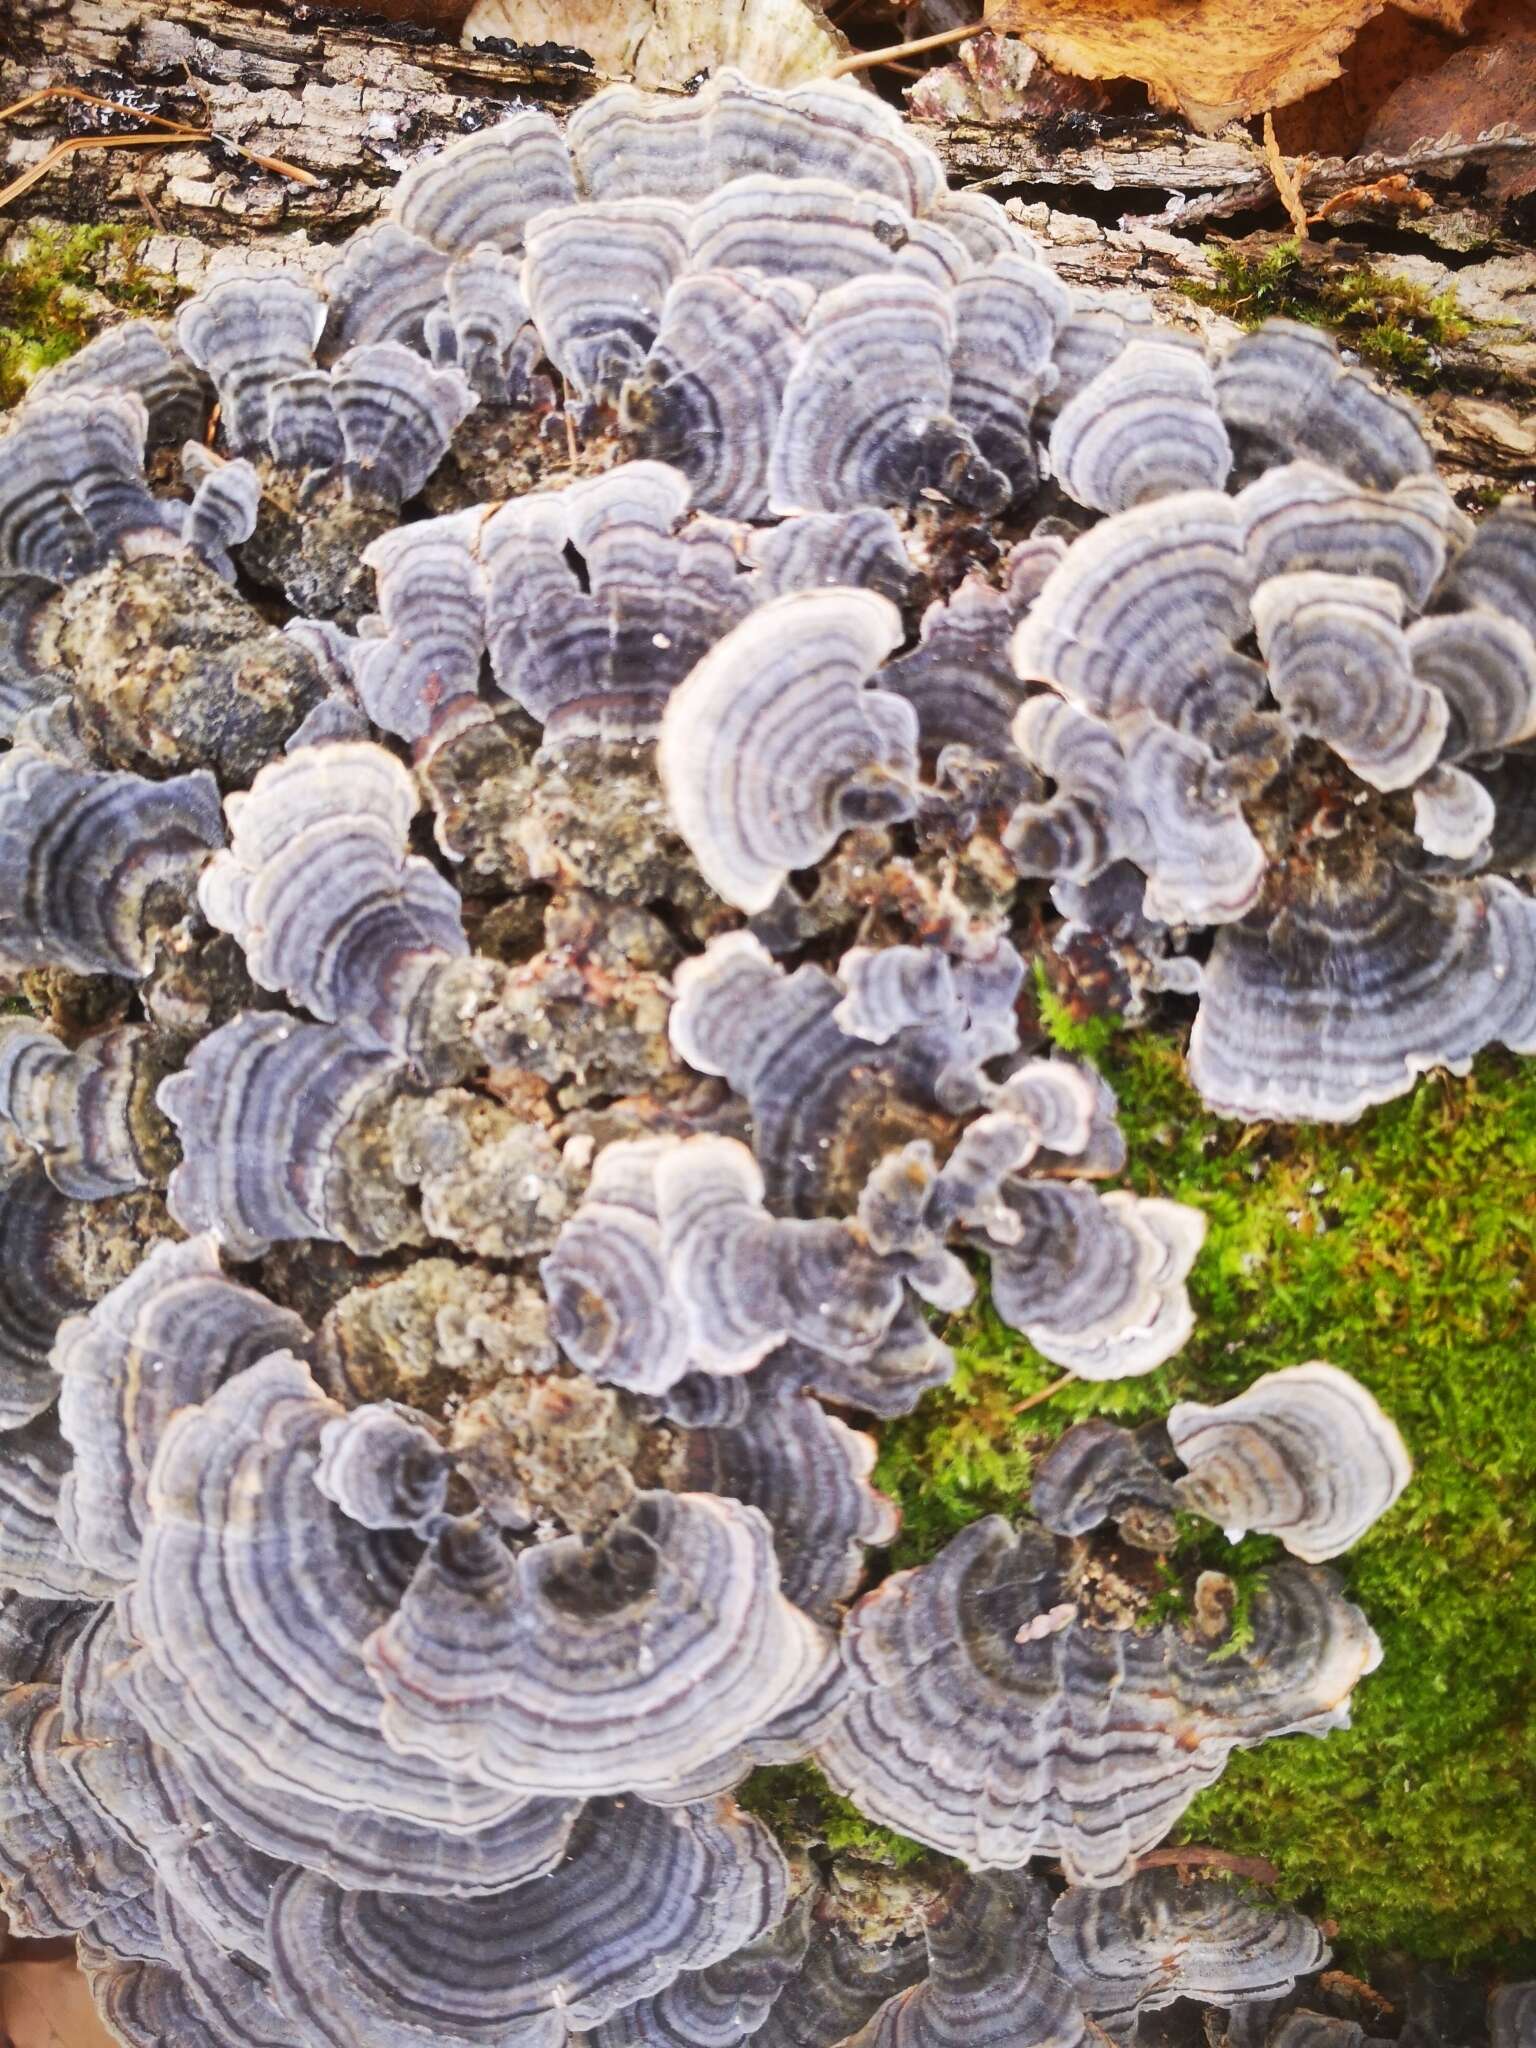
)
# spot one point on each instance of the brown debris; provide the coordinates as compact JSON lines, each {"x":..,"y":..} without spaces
{"x":1215,"y":60}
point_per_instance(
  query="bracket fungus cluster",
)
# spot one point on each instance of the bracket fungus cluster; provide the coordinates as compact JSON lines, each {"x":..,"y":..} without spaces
{"x":522,"y":846}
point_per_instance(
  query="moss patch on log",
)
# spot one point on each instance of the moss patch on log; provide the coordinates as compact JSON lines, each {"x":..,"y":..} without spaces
{"x":1402,"y":1248}
{"x":59,"y":286}
{"x":1392,"y":324}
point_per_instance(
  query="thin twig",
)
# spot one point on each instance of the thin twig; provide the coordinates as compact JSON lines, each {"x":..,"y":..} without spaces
{"x":1287,"y":181}
{"x":170,"y":132}
{"x":1190,"y":1855}
{"x":1045,"y":1393}
{"x":866,"y":60}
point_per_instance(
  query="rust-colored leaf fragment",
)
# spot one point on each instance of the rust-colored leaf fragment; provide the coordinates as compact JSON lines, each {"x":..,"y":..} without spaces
{"x":1215,"y":60}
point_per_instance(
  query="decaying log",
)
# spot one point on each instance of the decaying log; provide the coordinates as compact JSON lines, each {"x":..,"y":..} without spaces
{"x":350,"y":99}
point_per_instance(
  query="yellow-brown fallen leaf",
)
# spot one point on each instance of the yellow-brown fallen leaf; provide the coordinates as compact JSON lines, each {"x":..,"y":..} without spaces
{"x":48,"y":2005}
{"x":1214,"y":60}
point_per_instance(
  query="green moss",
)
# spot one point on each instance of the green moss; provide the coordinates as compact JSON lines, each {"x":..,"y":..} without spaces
{"x":1392,"y":324}
{"x":1402,"y":1248}
{"x":800,"y":1806}
{"x":60,"y":287}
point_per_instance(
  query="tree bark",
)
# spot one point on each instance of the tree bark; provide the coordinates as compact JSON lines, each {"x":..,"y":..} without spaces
{"x":350,"y":99}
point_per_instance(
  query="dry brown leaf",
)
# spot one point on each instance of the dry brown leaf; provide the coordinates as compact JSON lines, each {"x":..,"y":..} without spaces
{"x":1215,"y":60}
{"x":1386,"y":51}
{"x":1489,"y":86}
{"x":667,"y":42}
{"x":48,"y":2005}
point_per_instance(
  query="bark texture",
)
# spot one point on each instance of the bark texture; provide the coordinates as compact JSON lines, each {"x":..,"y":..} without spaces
{"x":351,"y":99}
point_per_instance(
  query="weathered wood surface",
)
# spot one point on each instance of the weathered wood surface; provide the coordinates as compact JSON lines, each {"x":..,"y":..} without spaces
{"x":351,"y":99}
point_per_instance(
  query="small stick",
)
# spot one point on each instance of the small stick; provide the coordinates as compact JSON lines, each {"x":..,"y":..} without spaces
{"x":1045,"y":1393}
{"x":866,"y":60}
{"x":170,"y":132}
{"x":1287,"y":181}
{"x":1190,"y":1855}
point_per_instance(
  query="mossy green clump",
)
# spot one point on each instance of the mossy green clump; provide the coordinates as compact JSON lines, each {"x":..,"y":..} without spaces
{"x":60,"y":286}
{"x":1391,"y":323}
{"x":1402,"y":1248}
{"x":802,"y":1809}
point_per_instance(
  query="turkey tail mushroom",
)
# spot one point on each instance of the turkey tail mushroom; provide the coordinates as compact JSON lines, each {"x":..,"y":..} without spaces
{"x":1305,"y":1454}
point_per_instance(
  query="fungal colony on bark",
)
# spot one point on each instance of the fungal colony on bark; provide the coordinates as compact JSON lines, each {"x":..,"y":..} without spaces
{"x":524,"y":849}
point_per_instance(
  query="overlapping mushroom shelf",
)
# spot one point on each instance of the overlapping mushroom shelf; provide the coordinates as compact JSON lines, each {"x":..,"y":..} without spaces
{"x":524,"y":854}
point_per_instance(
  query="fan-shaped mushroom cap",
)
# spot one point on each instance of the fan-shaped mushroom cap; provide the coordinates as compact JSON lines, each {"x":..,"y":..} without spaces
{"x":383,"y":284}
{"x":1096,"y":1282}
{"x":595,"y":278}
{"x":809,"y":1474}
{"x":641,"y":1896}
{"x":1283,"y":391}
{"x":991,"y":1978}
{"x":968,"y":1732}
{"x":36,"y":1294}
{"x":1453,"y":814}
{"x":749,"y":1281}
{"x":650,"y":1659}
{"x":485,"y":327}
{"x":600,"y":657}
{"x":34,"y":1557}
{"x":1091,"y":819}
{"x":253,"y":1623}
{"x":92,"y":864}
{"x":773,"y":745}
{"x":137,"y":356}
{"x":611,"y":1308}
{"x":1208,"y":867}
{"x":218,"y":1881}
{"x":62,"y":1864}
{"x":396,"y":415}
{"x":82,"y":1112}
{"x":1162,"y":1936}
{"x":1142,"y":614}
{"x":1512,"y":2015}
{"x":816,"y":548}
{"x":321,"y":895}
{"x":163,"y":1339}
{"x":1145,"y":426}
{"x":265,"y":1108}
{"x":1304,"y":516}
{"x":626,"y":141}
{"x":384,"y":1468}
{"x":1007,"y":317}
{"x":484,"y":190}
{"x":961,"y":683}
{"x":424,"y":658}
{"x":708,"y":396}
{"x":249,"y":334}
{"x":72,"y":489}
{"x":1338,"y":665}
{"x":1484,"y":667}
{"x":818,"y":231}
{"x":1304,"y":1454}
{"x":866,"y":417}
{"x":1094,"y":1473}
{"x":1496,"y":571}
{"x":724,"y":2003}
{"x":1358,"y":989}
